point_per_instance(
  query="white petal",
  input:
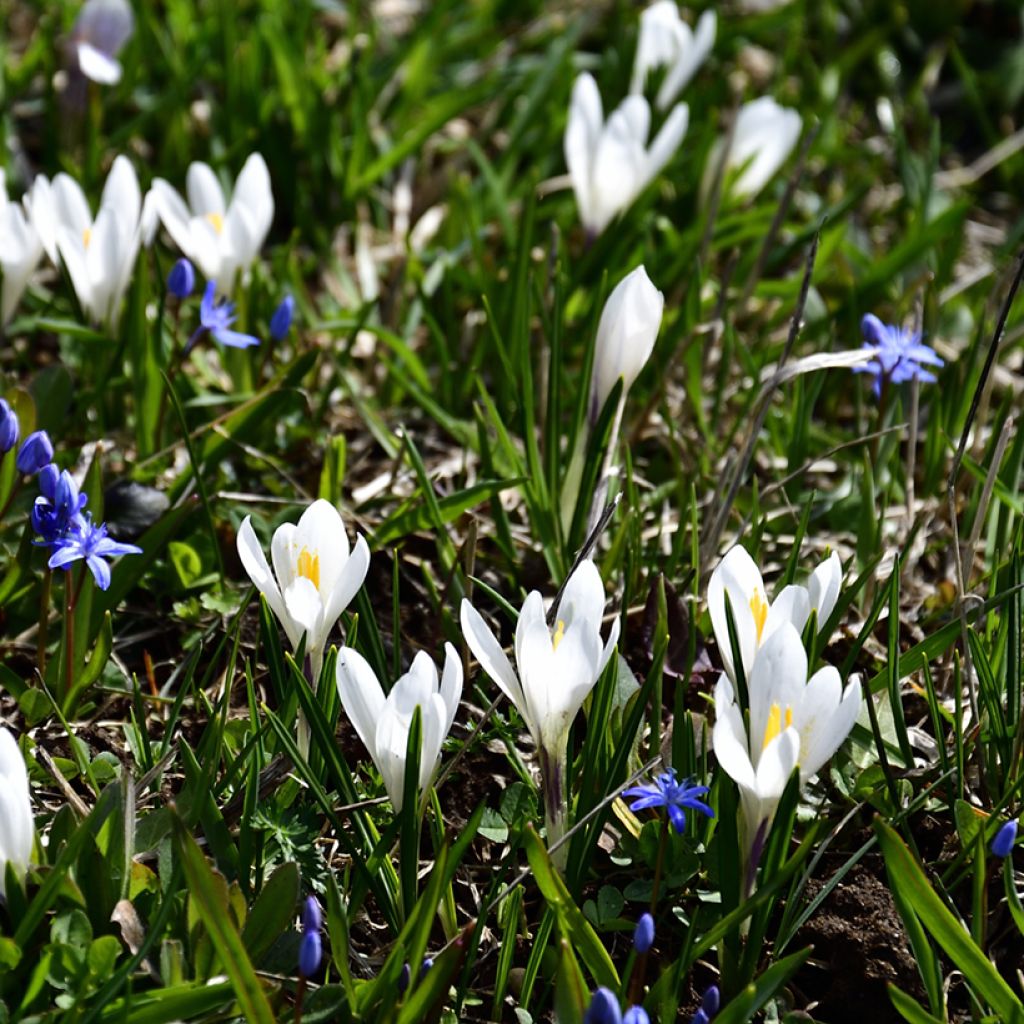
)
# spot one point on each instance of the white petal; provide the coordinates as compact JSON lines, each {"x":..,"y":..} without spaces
{"x":205,"y":195}
{"x":121,"y":192}
{"x":777,"y":677}
{"x":729,"y":738}
{"x":255,"y":564}
{"x":825,"y":719}
{"x":70,"y":207}
{"x":451,"y":685}
{"x":361,"y":695}
{"x":691,"y":57}
{"x":351,"y":578}
{"x":792,"y":605}
{"x":583,"y":129}
{"x":583,"y":597}
{"x":823,"y":587}
{"x":666,"y":142}
{"x":738,"y":577}
{"x":254,"y":194}
{"x":306,"y":612}
{"x":174,"y":215}
{"x":321,"y":531}
{"x":97,"y":66}
{"x":391,"y":742}
{"x":487,"y":651}
{"x":765,"y":135}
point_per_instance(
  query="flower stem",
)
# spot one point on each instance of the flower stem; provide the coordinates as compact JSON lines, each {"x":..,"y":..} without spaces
{"x":44,"y":621}
{"x":636,"y":985}
{"x":69,"y":635}
{"x":553,"y":769}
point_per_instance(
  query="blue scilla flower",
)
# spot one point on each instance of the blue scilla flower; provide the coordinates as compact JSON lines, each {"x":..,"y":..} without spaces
{"x":603,"y":1008}
{"x":10,"y":429}
{"x":675,"y":797}
{"x":281,"y":321}
{"x":182,"y":279}
{"x":1005,"y":838}
{"x":217,"y":319}
{"x":643,"y":934}
{"x":636,"y":1015}
{"x":35,"y":452}
{"x":900,"y":354}
{"x":89,"y":541}
{"x":58,"y":510}
{"x":708,"y":1006}
{"x":311,"y":946}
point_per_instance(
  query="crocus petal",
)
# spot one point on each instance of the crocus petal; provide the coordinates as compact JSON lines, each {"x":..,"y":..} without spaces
{"x":777,"y":679}
{"x":823,"y":587}
{"x":825,"y":720}
{"x":738,"y":577}
{"x":667,"y":141}
{"x":390,"y":746}
{"x":305,"y":614}
{"x":696,"y":51}
{"x":97,"y":66}
{"x":349,"y":580}
{"x":583,"y":129}
{"x":729,"y":738}
{"x":451,"y":685}
{"x":205,"y":196}
{"x":488,"y":652}
{"x":791,"y":605}
{"x":360,"y":693}
{"x":255,"y":564}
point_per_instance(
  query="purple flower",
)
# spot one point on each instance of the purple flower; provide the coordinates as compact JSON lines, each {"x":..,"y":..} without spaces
{"x":9,"y":427}
{"x":36,"y":451}
{"x":403,"y":979}
{"x":182,"y":279}
{"x":58,"y":510}
{"x":1005,"y":838}
{"x":217,"y":319}
{"x":643,"y":934}
{"x":900,"y":355}
{"x":101,"y":30}
{"x":636,"y":1015}
{"x":675,"y":797}
{"x":604,"y":1008}
{"x":281,"y":321}
{"x":712,"y":1001}
{"x":311,"y":946}
{"x":700,"y":1017}
{"x":90,"y":542}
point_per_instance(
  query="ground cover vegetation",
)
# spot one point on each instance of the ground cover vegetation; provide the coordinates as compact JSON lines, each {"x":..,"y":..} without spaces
{"x":510,"y":511}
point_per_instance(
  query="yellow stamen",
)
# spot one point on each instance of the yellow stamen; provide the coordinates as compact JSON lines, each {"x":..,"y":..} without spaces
{"x":86,"y":236}
{"x":559,"y":633}
{"x":309,"y":566}
{"x":775,"y":726}
{"x":217,"y":221}
{"x":759,"y":608}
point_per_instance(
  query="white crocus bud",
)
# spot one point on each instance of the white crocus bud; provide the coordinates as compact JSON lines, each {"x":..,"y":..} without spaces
{"x":794,"y":722}
{"x":665,"y":40}
{"x":20,"y":250}
{"x":610,"y":163}
{"x":626,"y":333}
{"x":739,"y":579}
{"x":16,"y":824}
{"x":764,"y":136}
{"x":383,"y":722}
{"x":223,"y":238}
{"x":557,"y":669}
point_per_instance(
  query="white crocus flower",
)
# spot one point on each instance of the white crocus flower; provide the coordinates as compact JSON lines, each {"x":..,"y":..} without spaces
{"x":763,"y":138}
{"x":223,"y":238}
{"x":16,"y":824}
{"x":20,"y":250}
{"x":557,"y":669}
{"x":626,"y":333}
{"x":314,"y":578}
{"x":794,"y":722}
{"x":665,"y":40}
{"x":610,"y":163}
{"x":99,"y":253}
{"x":383,"y":722}
{"x":739,"y":579}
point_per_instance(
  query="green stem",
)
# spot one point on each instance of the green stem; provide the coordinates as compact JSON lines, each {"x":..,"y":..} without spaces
{"x":553,"y":770}
{"x":44,"y":621}
{"x":69,"y":635}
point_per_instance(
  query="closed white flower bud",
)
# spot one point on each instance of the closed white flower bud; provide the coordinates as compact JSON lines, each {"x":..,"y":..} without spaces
{"x":16,"y":824}
{"x":626,"y":333}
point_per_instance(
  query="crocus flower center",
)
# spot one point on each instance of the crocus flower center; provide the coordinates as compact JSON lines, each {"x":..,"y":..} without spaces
{"x":775,"y":723}
{"x":309,"y":566}
{"x":217,"y":221}
{"x":556,"y":639}
{"x":86,"y":236}
{"x":759,"y":609}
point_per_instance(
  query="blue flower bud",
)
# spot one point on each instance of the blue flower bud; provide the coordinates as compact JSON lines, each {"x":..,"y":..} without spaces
{"x":643,"y":934}
{"x":636,"y":1015}
{"x":282,"y":318}
{"x":403,"y":979}
{"x":1005,"y":838}
{"x":35,"y":452}
{"x":712,"y":1001}
{"x":9,"y":428}
{"x":426,"y":965}
{"x":604,"y":1008}
{"x":182,"y":279}
{"x":311,"y":946}
{"x":700,"y":1017}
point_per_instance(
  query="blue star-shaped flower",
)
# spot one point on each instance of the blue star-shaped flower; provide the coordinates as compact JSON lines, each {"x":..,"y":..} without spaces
{"x":216,"y":319}
{"x":58,"y":510}
{"x":90,"y":542}
{"x":675,"y":797}
{"x":900,"y":354}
